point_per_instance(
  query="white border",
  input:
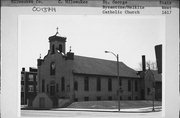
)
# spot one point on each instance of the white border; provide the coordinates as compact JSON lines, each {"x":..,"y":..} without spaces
{"x":10,"y":72}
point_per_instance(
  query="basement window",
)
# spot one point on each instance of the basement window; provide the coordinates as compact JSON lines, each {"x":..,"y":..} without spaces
{"x":98,"y":98}
{"x":110,"y":98}
{"x":86,"y":98}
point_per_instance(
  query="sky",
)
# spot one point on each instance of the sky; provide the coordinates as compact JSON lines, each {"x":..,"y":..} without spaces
{"x":90,"y":35}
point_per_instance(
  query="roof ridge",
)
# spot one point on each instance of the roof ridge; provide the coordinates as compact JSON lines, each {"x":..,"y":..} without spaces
{"x":97,"y":58}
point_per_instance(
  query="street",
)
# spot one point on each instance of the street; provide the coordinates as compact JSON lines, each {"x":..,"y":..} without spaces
{"x":90,"y":113}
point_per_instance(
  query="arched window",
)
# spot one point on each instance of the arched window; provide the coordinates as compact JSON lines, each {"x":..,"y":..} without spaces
{"x":47,"y":88}
{"x":57,"y":88}
{"x":109,"y":84}
{"x":52,"y":68}
{"x":86,"y":84}
{"x":43,"y":85}
{"x":136,"y":85}
{"x":62,"y":84}
{"x":60,"y":47}
{"x":129,"y":85}
{"x":76,"y":86}
{"x":98,"y":84}
{"x":53,"y":49}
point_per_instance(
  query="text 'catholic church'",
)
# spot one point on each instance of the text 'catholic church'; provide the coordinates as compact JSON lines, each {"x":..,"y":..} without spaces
{"x":65,"y":77}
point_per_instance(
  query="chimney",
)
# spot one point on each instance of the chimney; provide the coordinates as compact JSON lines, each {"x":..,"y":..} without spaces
{"x":158,"y":51}
{"x":143,"y":63}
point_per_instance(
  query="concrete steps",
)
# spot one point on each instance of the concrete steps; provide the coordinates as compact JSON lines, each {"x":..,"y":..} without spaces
{"x":62,"y":103}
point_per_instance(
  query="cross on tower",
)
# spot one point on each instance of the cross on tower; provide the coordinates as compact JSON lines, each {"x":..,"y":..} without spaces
{"x":57,"y":31}
{"x":70,"y":49}
{"x":40,"y":56}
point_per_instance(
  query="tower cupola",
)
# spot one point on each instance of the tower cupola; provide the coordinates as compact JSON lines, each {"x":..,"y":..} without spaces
{"x":57,"y":43}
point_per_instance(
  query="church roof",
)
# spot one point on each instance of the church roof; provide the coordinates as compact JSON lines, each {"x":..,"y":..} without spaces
{"x":94,"y":66}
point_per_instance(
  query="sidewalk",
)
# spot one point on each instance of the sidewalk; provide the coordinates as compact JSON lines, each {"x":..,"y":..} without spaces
{"x":134,"y":110}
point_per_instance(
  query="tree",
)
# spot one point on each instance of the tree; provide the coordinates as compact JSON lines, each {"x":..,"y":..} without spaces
{"x":149,"y":65}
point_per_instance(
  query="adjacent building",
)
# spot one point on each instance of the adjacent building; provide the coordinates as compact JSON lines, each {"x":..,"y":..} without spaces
{"x":153,"y":80}
{"x":28,"y":85}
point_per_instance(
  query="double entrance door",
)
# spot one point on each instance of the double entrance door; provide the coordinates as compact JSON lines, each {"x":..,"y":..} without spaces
{"x":52,"y":90}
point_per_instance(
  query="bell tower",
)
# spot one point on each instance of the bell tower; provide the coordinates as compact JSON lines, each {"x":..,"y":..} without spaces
{"x":57,"y":43}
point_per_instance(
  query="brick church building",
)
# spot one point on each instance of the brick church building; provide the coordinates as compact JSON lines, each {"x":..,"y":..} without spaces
{"x":64,"y":77}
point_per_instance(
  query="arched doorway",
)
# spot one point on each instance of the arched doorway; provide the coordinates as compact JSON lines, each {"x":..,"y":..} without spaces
{"x":52,"y":89}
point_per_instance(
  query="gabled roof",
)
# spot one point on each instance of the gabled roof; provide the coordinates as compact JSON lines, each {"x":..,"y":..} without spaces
{"x":157,"y":76}
{"x":87,"y":65}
